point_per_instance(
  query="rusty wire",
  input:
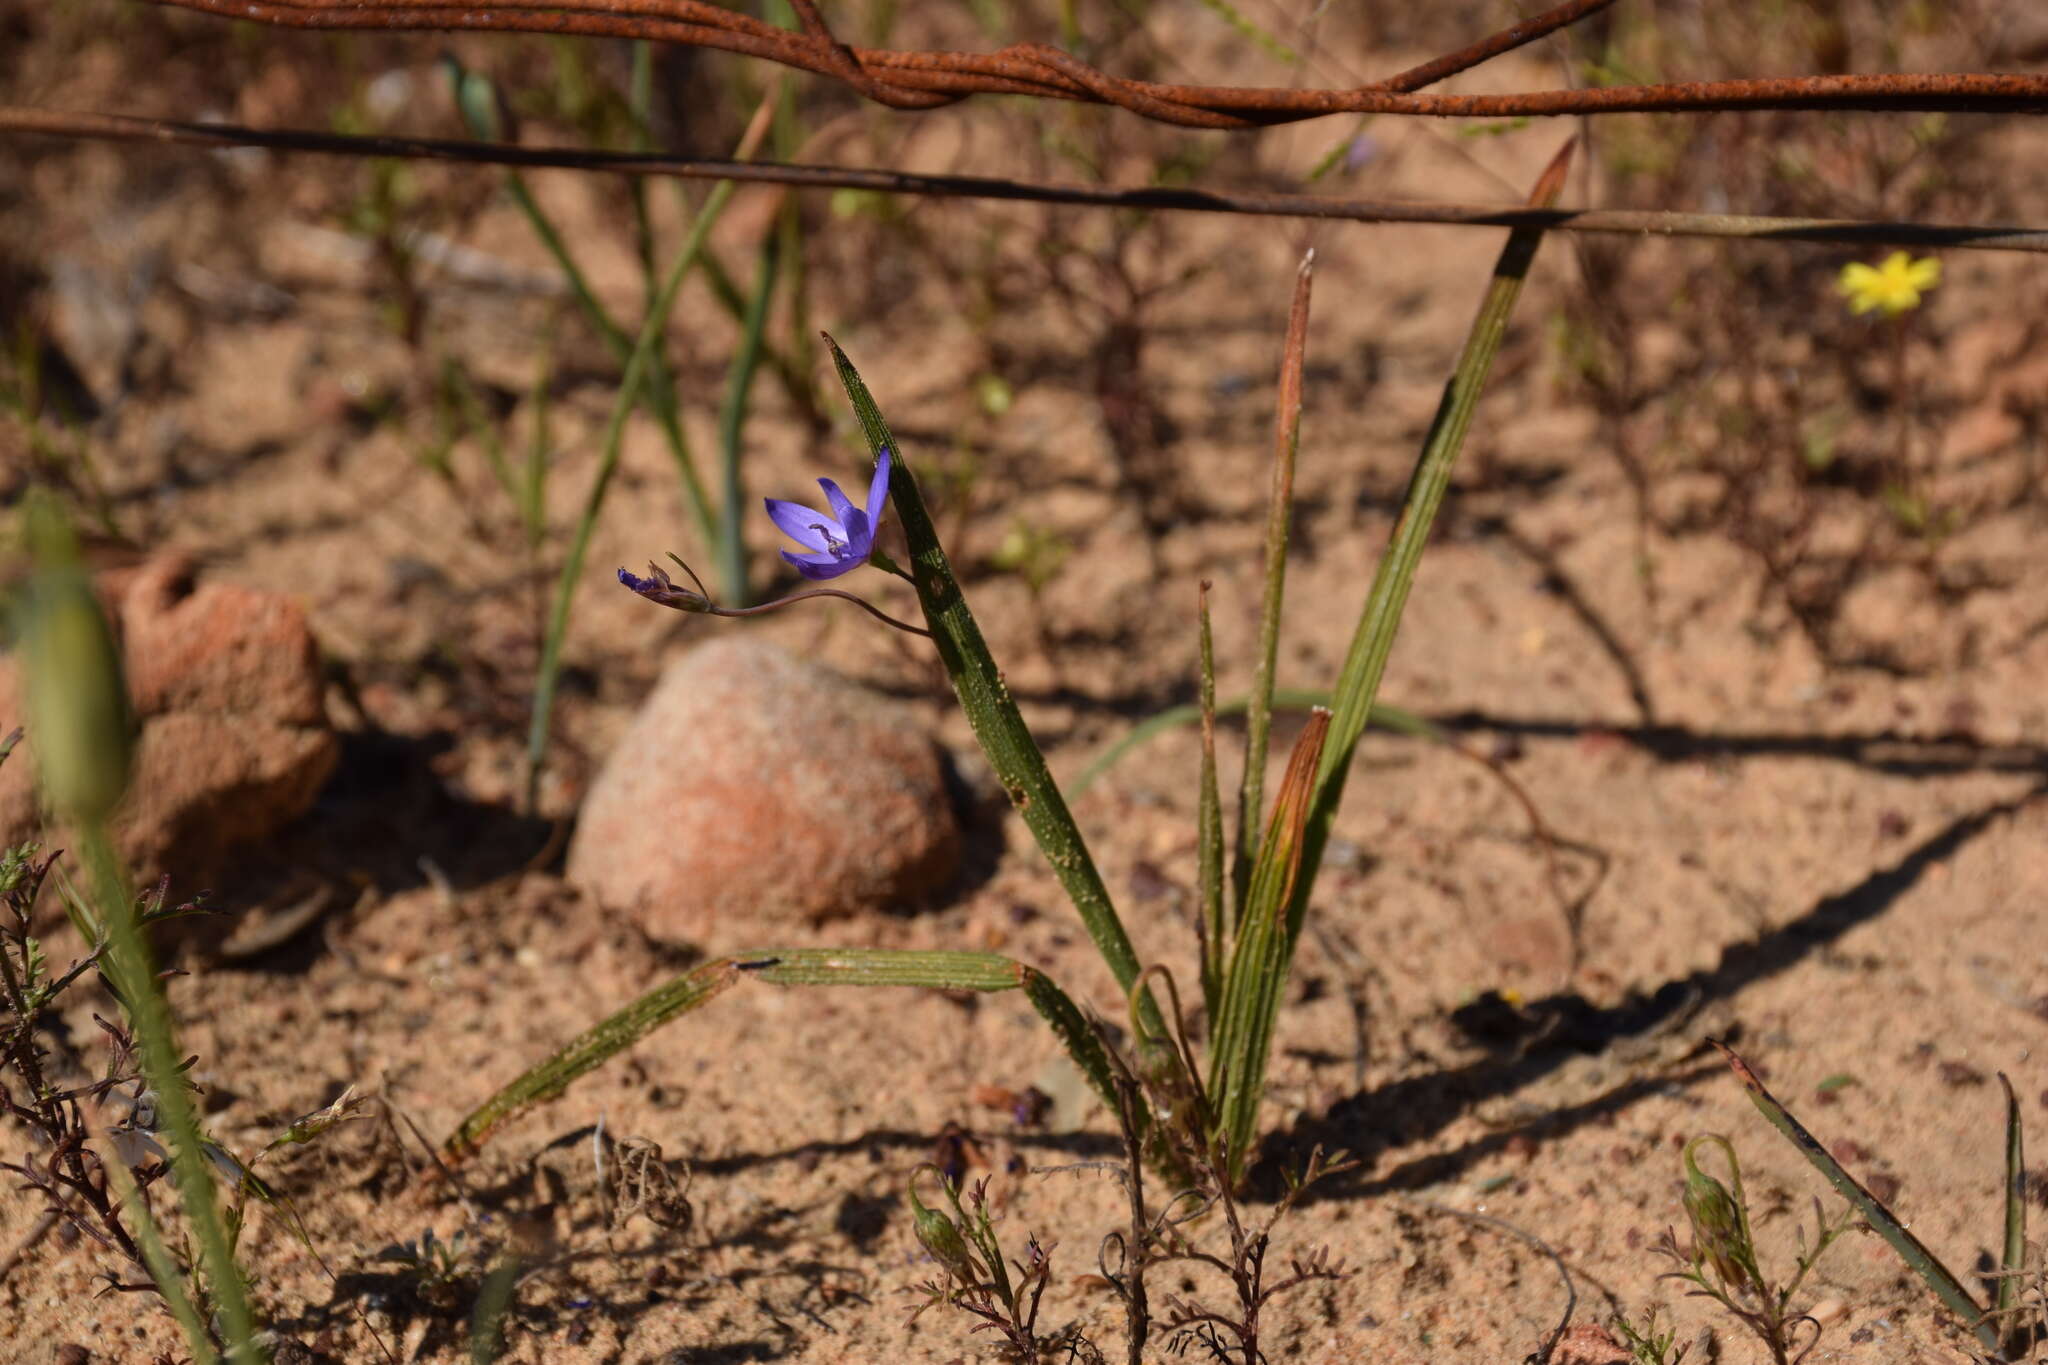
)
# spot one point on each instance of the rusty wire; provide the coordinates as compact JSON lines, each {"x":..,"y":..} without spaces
{"x":926,"y":80}
{"x":1836,"y":231}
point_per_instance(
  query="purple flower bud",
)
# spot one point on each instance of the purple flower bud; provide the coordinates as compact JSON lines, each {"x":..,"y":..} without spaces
{"x":656,"y":587}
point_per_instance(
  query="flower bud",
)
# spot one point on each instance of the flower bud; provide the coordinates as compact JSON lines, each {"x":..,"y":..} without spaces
{"x":657,"y":587}
{"x":78,"y":714}
{"x":1719,"y":1233}
{"x":940,"y":1236}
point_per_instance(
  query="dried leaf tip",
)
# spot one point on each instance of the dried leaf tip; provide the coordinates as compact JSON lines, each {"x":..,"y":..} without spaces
{"x":1550,"y":184}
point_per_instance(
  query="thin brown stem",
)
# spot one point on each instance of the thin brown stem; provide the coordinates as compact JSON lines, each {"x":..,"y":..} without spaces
{"x":865,"y":605}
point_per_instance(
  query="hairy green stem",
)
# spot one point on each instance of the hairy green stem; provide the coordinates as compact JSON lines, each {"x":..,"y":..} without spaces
{"x":959,"y":971}
{"x":991,"y":711}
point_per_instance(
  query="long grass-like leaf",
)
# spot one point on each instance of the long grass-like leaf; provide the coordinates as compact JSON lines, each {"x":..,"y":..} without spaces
{"x":1251,"y":792}
{"x":1358,"y":685}
{"x":1209,"y":829}
{"x":991,"y":711}
{"x":1384,"y":717}
{"x":2013,"y":1258}
{"x":782,"y":967}
{"x":1912,"y":1251}
{"x":1255,"y":983}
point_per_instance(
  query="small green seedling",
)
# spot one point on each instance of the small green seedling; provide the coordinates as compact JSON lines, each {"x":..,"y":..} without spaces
{"x":1722,"y":1263}
{"x":976,"y":1278}
{"x":1647,"y":1344}
{"x":2006,"y":1328}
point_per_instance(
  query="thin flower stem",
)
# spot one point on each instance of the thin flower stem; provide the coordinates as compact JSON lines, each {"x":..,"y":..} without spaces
{"x":865,"y":605}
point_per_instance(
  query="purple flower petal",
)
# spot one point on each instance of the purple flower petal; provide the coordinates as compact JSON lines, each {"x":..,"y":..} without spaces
{"x":820,"y":566}
{"x":878,"y":489}
{"x":836,"y":500}
{"x":801,"y":524}
{"x":860,"y":534}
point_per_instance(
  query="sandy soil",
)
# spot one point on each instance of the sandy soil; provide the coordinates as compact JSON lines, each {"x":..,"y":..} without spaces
{"x":1828,"y":850}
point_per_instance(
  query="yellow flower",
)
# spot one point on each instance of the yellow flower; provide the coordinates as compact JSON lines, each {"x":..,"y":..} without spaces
{"x":1894,"y":287}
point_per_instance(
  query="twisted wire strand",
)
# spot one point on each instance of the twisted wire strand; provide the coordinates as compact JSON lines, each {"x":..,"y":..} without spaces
{"x":928,"y":80}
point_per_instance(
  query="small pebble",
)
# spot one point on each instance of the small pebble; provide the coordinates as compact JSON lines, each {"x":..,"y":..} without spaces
{"x":69,"y":1354}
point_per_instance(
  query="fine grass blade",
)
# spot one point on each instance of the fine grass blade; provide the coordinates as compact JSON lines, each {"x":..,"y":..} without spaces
{"x":1257,"y":976}
{"x":455,"y":379}
{"x":1251,"y":792}
{"x":2013,"y":1260}
{"x":1359,"y":683}
{"x":1209,"y":829}
{"x":1249,"y":29}
{"x":782,"y":967}
{"x":1917,"y":1257}
{"x":1384,"y":717}
{"x":732,"y":421}
{"x":644,"y":348}
{"x":991,"y":711}
{"x":479,"y":102}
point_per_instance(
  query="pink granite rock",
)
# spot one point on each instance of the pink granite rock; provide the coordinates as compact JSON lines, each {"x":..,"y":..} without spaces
{"x":233,"y":739}
{"x":756,"y":792}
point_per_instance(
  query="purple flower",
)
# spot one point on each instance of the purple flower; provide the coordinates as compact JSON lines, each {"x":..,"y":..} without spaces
{"x":840,"y":540}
